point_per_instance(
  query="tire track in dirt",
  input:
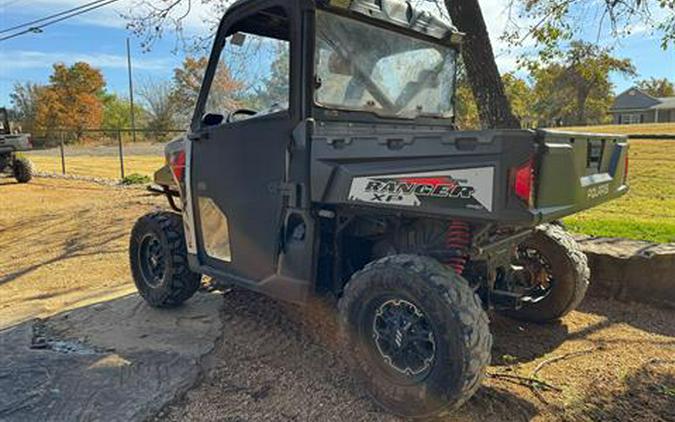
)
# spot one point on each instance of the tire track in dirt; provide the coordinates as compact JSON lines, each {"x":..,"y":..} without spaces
{"x":281,"y":362}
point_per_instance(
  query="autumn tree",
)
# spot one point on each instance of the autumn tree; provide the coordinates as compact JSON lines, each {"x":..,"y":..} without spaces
{"x":72,"y":100}
{"x":24,"y":98}
{"x":585,"y":74}
{"x":517,"y":90}
{"x":657,"y":87}
{"x":187,"y":79}
{"x":466,"y":110}
{"x":576,"y":89}
{"x":274,"y":87}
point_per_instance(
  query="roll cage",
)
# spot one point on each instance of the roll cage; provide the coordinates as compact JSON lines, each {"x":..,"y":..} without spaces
{"x":245,"y":16}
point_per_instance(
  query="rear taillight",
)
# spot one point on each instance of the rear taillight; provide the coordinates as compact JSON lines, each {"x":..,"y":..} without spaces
{"x":523,"y":181}
{"x":177,"y":163}
{"x":30,"y":141}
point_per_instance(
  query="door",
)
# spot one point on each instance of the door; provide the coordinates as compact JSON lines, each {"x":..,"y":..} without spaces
{"x":238,"y":163}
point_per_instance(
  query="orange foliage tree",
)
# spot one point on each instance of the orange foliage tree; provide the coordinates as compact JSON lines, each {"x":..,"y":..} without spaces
{"x":224,"y":93}
{"x":72,"y":101}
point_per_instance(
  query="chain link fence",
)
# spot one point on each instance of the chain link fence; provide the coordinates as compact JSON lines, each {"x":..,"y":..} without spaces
{"x":114,"y":154}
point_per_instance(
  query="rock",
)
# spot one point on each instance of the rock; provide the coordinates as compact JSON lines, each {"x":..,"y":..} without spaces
{"x":631,"y":270}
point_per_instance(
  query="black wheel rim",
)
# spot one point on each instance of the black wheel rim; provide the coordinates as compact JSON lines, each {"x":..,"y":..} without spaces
{"x":536,"y":276}
{"x":404,"y":339}
{"x":151,"y":260}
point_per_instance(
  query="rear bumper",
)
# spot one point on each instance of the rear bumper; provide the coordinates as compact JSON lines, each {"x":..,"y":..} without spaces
{"x":548,"y":214}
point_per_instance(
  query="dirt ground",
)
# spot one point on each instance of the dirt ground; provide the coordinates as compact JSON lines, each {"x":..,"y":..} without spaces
{"x":63,"y":245}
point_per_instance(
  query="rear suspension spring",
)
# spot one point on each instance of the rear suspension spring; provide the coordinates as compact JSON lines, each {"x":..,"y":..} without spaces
{"x":458,"y":238}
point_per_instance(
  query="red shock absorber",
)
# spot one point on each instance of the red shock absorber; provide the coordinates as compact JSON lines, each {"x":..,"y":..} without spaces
{"x":458,"y":237}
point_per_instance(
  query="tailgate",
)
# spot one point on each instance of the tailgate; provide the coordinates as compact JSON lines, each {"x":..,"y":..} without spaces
{"x":578,"y":171}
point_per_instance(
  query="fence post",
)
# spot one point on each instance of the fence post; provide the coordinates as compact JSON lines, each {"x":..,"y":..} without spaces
{"x":121,"y":151}
{"x":63,"y":156}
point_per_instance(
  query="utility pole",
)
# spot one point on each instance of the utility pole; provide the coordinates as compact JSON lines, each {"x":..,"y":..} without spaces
{"x":131,"y":94}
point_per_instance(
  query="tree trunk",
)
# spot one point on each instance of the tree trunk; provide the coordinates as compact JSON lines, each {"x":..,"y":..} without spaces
{"x":494,"y":109}
{"x":581,"y":109}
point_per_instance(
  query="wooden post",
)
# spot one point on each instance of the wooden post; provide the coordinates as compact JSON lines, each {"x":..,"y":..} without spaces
{"x":121,"y":151}
{"x":63,"y":156}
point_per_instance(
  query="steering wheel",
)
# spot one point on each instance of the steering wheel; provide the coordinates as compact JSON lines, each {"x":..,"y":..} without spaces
{"x":245,"y":111}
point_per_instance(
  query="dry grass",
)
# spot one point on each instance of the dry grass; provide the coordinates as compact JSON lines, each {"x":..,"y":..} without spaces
{"x":64,"y":244}
{"x":647,"y":128}
{"x":98,"y":166}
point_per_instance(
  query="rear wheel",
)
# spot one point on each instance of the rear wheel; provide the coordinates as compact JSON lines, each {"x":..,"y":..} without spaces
{"x":553,"y":273}
{"x":417,"y":335}
{"x":158,"y":258}
{"x":23,"y":169}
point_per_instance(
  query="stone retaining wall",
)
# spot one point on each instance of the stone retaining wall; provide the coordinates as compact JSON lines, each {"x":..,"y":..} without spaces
{"x":631,"y":271}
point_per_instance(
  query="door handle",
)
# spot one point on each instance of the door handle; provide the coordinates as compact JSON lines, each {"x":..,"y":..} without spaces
{"x":197,"y":136}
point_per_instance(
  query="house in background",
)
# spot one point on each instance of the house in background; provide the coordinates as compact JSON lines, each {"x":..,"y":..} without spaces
{"x":635,"y":106}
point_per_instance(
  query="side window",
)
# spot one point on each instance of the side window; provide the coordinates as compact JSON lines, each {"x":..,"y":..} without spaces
{"x":253,"y":72}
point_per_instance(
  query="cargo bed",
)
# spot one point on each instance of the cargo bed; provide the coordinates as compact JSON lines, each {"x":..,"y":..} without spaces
{"x":505,"y":176}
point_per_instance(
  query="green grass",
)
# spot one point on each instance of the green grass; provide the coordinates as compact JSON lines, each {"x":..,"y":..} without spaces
{"x":136,"y":179}
{"x":647,"y":212}
{"x":606,"y":227}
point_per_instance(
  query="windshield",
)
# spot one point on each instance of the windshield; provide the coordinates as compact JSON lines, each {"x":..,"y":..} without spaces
{"x":364,"y":67}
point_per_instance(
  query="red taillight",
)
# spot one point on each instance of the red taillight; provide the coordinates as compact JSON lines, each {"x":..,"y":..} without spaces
{"x":178,"y":165}
{"x":523,"y":181}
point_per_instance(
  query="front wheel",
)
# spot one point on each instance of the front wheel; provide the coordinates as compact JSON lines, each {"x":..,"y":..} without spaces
{"x":158,"y":258}
{"x":23,"y":169}
{"x":416,"y":333}
{"x":553,"y":273}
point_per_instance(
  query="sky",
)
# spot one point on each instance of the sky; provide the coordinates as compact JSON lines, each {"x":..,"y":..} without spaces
{"x":99,"y":37}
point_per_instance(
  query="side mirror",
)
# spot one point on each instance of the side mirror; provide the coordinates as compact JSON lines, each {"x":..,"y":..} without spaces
{"x":212,"y":119}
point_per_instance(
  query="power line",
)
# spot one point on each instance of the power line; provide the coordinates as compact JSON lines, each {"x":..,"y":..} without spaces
{"x":56,"y":15}
{"x":59,"y":18}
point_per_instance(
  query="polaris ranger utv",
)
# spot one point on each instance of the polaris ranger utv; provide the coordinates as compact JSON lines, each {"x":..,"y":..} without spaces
{"x":352,"y":182}
{"x":11,"y":143}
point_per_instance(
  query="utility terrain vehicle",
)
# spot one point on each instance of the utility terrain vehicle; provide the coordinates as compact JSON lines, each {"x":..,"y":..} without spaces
{"x":340,"y":173}
{"x":11,"y":143}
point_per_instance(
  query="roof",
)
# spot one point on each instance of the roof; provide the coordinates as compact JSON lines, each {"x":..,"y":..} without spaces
{"x":666,"y":102}
{"x":403,"y":13}
{"x":636,"y":99}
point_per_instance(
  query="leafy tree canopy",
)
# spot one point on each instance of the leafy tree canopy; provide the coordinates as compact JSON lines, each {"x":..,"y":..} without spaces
{"x":657,"y":87}
{"x":72,"y":100}
{"x":552,"y":23}
{"x":117,"y":113}
{"x":24,"y":98}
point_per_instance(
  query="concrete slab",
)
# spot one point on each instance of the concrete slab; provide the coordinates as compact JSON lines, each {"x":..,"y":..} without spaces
{"x":116,"y":361}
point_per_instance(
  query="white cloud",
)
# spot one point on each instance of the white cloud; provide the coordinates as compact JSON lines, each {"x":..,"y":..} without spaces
{"x":16,"y":60}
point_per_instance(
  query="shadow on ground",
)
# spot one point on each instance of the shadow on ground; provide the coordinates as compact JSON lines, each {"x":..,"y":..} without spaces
{"x":282,"y":362}
{"x":271,"y":361}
